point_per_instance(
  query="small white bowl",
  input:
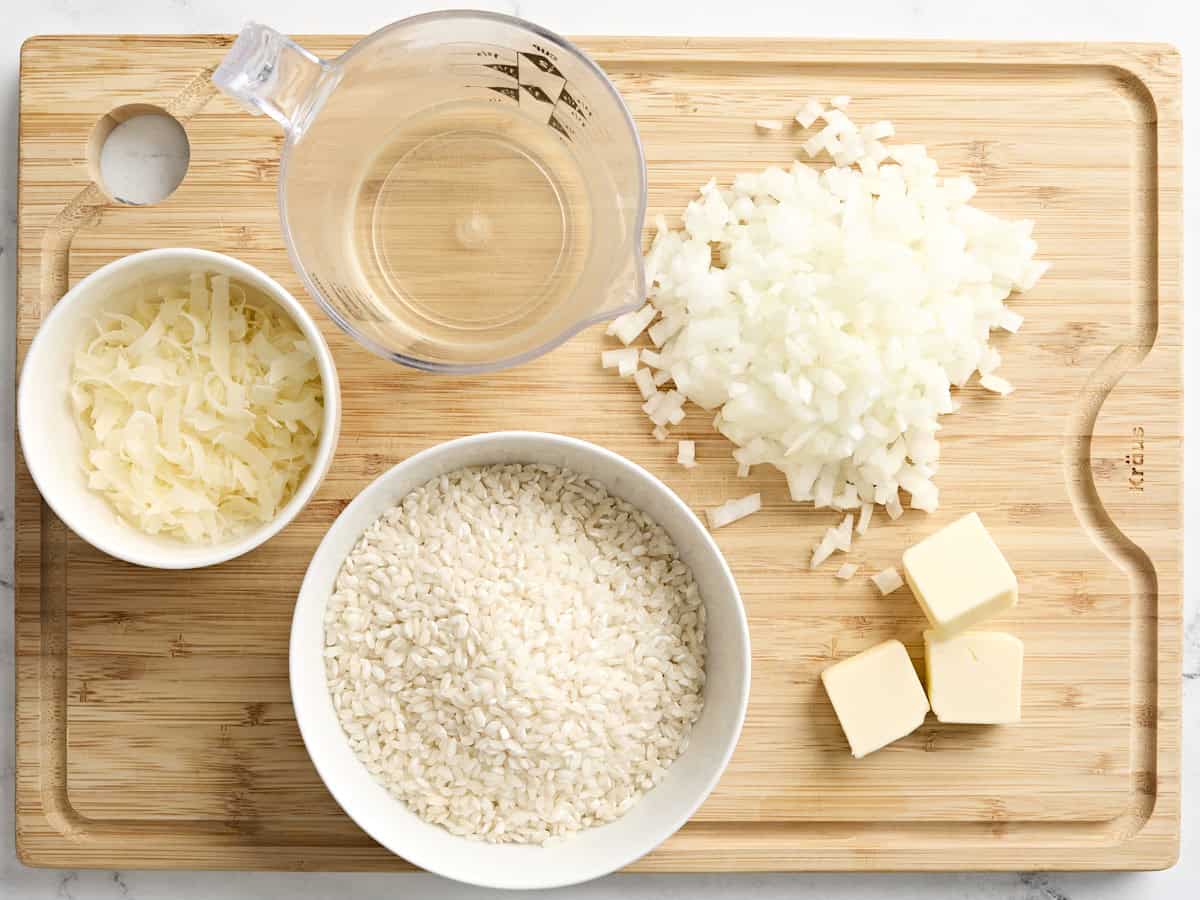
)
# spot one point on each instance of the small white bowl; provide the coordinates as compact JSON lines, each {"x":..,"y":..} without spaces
{"x":50,"y":438}
{"x":592,"y":852}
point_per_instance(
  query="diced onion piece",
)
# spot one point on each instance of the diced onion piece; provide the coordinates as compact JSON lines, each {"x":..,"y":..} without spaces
{"x":624,"y":360}
{"x":823,"y":550}
{"x":733,"y":510}
{"x":847,"y":499}
{"x":842,"y":535}
{"x":838,"y":122}
{"x":687,"y":454}
{"x":864,"y":518}
{"x":996,"y":384}
{"x":894,"y":509}
{"x":887,"y":581}
{"x":809,"y":113}
{"x":626,"y":328}
{"x":661,"y":377}
{"x":664,"y":329}
{"x":660,"y":433}
{"x":1010,"y":321}
{"x":653,"y":404}
{"x":841,"y":101}
{"x":925,"y":498}
{"x":989,"y":361}
{"x":768,"y":125}
{"x":665,"y":407}
{"x":1031,"y":275}
{"x":652,"y":359}
{"x":879,"y":131}
{"x":645,"y":383}
{"x":846,"y":572}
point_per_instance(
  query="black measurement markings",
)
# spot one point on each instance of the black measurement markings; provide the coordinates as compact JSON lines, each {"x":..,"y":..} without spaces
{"x":558,"y":126}
{"x":504,"y":68}
{"x":511,"y":93}
{"x":544,"y":64}
{"x":565,"y":97}
{"x":537,"y":93}
{"x":540,"y":87}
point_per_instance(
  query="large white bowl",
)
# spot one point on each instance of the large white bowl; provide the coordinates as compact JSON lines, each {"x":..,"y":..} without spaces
{"x":50,"y":437}
{"x":593,"y":852}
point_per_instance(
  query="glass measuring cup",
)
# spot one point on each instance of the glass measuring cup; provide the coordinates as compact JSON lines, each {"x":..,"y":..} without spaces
{"x":460,"y":191}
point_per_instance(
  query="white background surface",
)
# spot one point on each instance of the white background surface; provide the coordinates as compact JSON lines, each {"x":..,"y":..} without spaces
{"x":1177,"y":21}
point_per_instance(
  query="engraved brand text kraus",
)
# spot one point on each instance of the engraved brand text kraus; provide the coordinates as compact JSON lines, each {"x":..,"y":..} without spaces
{"x":1136,"y":460}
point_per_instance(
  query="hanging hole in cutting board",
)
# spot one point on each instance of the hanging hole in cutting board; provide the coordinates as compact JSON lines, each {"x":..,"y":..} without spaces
{"x":138,"y":154}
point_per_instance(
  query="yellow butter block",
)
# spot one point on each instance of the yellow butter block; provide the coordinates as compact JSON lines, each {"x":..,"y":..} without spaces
{"x":877,"y":696}
{"x":959,"y":576}
{"x":974,"y":677}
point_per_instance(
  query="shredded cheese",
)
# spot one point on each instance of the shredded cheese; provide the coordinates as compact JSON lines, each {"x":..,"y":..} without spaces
{"x":199,"y":408}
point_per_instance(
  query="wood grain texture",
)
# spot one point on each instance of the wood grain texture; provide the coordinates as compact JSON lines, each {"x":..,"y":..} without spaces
{"x":154,"y":727}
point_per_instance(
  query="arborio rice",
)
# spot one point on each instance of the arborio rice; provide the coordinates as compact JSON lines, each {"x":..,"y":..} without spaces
{"x":514,"y":653}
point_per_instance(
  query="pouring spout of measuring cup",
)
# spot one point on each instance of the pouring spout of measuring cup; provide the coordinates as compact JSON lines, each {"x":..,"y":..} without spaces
{"x":268,"y":72}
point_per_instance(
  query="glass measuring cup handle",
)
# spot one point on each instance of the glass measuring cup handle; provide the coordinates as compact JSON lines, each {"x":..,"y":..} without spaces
{"x":268,"y":72}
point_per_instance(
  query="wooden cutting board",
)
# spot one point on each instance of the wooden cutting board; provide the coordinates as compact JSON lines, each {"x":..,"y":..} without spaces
{"x":154,"y":726}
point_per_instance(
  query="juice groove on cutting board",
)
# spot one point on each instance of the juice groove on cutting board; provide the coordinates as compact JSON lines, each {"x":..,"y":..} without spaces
{"x":153,"y":715}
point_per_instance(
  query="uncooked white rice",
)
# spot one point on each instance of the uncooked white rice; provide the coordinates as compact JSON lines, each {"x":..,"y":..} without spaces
{"x":514,"y":653}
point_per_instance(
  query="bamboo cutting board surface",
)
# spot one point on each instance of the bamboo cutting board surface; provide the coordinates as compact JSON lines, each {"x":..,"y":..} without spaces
{"x":154,"y":725}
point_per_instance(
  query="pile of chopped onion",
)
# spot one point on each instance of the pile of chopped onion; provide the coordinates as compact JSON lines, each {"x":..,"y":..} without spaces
{"x":199,"y":408}
{"x":826,"y":315}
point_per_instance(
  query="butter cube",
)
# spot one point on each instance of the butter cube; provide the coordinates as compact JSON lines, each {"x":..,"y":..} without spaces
{"x":959,"y":576}
{"x":974,"y":677}
{"x":877,"y":696}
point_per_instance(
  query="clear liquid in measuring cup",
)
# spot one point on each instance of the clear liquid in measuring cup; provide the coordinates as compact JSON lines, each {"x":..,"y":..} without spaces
{"x":476,"y":221}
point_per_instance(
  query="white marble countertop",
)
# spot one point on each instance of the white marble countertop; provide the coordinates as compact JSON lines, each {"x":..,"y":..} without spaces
{"x":1177,"y":21}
